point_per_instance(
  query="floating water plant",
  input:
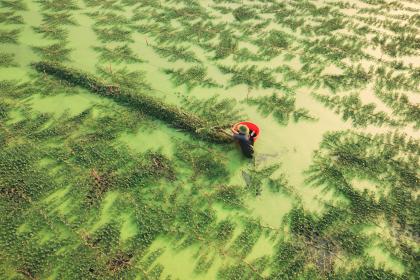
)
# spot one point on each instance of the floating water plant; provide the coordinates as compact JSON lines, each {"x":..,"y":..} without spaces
{"x":7,"y":60}
{"x":175,"y":53}
{"x":15,"y":5}
{"x":352,"y":108}
{"x":281,"y":108}
{"x":273,"y":44}
{"x":147,"y":104}
{"x":108,"y":18}
{"x":97,"y":189}
{"x":113,"y":34}
{"x":134,"y":80}
{"x":243,"y":13}
{"x":117,"y":54}
{"x":51,"y":32}
{"x":9,"y":36}
{"x":57,"y":19}
{"x":192,"y":77}
{"x":10,"y":18}
{"x":227,"y":45}
{"x":53,"y":52}
{"x":204,"y":161}
{"x":57,"y":6}
{"x":253,"y":77}
{"x":216,"y":111}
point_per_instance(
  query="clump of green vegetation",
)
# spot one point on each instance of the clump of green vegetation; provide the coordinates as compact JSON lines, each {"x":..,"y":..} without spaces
{"x":227,"y":45}
{"x":113,"y":34}
{"x":273,"y":44}
{"x":256,"y":178}
{"x":51,"y":32}
{"x":246,"y":240}
{"x":400,"y":105}
{"x":216,"y":111}
{"x":10,"y":17}
{"x":175,"y":53}
{"x":53,"y":52}
{"x":58,"y":18}
{"x":108,"y":18}
{"x":281,"y":108}
{"x":244,"y":13}
{"x":203,"y":160}
{"x":350,"y":79}
{"x":77,"y":203}
{"x":229,"y":196}
{"x":9,"y":36}
{"x":191,"y":77}
{"x":253,"y":77}
{"x":144,"y":103}
{"x":244,"y":54}
{"x":7,"y":60}
{"x":117,"y":54}
{"x":57,"y":6}
{"x":351,"y":107}
{"x":125,"y":78}
{"x":14,"y":5}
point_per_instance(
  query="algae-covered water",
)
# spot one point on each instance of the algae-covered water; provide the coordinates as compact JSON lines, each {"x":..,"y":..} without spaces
{"x":95,"y":186}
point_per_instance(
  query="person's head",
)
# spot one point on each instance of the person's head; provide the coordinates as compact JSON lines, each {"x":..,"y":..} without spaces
{"x":243,"y":129}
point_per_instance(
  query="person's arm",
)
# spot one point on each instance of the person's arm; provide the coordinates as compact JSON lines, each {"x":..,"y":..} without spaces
{"x":234,"y":131}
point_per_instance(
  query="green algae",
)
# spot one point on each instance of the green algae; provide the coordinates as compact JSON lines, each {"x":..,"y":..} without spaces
{"x":91,"y":189}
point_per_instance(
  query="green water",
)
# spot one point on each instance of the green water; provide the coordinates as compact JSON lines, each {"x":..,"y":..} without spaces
{"x":78,"y":206}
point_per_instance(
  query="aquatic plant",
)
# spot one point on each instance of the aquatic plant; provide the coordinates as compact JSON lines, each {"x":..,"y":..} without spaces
{"x":244,"y":54}
{"x":9,"y":36}
{"x":125,"y":78}
{"x":113,"y":34}
{"x":400,"y":105}
{"x":199,"y":32}
{"x":230,"y":196}
{"x":227,"y":45}
{"x":175,"y":53}
{"x":282,"y":108}
{"x":117,"y":54}
{"x":191,"y":77}
{"x":59,"y":5}
{"x":202,"y":161}
{"x":105,"y":5}
{"x":53,"y":52}
{"x":350,"y":79}
{"x":216,"y":111}
{"x":348,"y":155}
{"x":70,"y":188}
{"x":258,"y":178}
{"x":351,"y":107}
{"x":7,"y":60}
{"x":147,"y":104}
{"x":272,"y":44}
{"x":192,"y":11}
{"x":248,"y":29}
{"x":10,"y":18}
{"x":14,"y":5}
{"x":108,"y":18}
{"x":246,"y":240}
{"x":51,"y":32}
{"x":244,"y":13}
{"x":253,"y":77}
{"x":58,"y":18}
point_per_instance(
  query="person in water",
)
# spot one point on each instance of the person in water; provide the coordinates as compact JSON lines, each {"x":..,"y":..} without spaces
{"x":245,"y":139}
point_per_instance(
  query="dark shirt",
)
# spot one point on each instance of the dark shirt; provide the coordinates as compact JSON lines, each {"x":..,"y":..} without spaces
{"x":245,"y":143}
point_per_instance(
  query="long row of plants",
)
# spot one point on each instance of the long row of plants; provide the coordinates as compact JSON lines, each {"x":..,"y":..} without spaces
{"x":146,"y":104}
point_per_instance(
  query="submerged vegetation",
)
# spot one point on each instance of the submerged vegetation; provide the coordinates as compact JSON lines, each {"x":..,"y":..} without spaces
{"x":281,"y":108}
{"x":140,"y":101}
{"x":131,"y":182}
